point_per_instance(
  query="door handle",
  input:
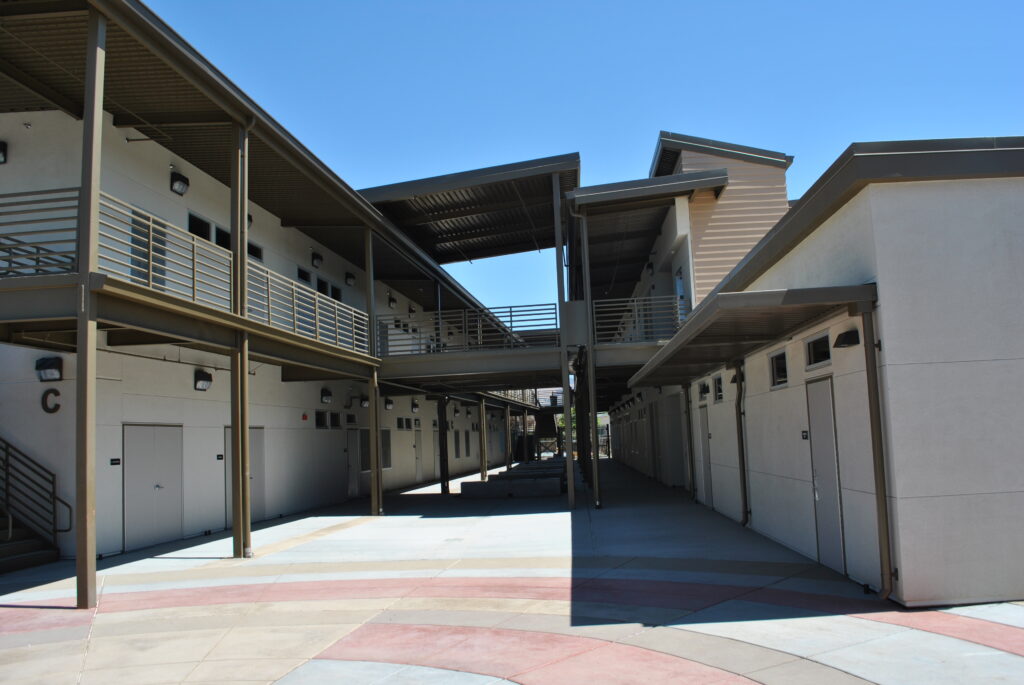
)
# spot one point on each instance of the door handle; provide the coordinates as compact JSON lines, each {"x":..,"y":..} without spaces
{"x":157,"y":486}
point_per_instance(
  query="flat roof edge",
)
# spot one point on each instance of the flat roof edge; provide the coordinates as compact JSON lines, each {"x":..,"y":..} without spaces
{"x":677,"y":184}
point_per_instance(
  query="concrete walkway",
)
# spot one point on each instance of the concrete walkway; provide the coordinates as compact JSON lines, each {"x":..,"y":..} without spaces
{"x":652,"y":589}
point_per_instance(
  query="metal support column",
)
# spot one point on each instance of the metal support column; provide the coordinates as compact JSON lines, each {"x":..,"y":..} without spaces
{"x":591,"y":366}
{"x":376,"y":470}
{"x":85,"y":383}
{"x":241,"y":509}
{"x":508,"y":437}
{"x":877,"y":449}
{"x":483,"y":440}
{"x":525,"y":451}
{"x":442,"y":442}
{"x":565,"y":445}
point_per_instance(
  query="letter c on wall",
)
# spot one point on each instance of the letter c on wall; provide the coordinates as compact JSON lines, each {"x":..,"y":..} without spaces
{"x":49,"y":400}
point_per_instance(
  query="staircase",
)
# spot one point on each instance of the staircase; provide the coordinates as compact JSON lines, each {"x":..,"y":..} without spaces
{"x":30,"y":511}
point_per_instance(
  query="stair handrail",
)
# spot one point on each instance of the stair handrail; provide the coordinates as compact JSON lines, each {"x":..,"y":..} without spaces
{"x":29,"y":490}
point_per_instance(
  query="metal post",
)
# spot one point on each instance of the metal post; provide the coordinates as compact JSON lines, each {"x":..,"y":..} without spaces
{"x":241,"y":509}
{"x":437,"y":316}
{"x":877,"y":449}
{"x":376,"y":472}
{"x":442,"y":441}
{"x":371,"y":298}
{"x":591,"y":365}
{"x":570,"y":469}
{"x":484,"y":462}
{"x":525,"y":448}
{"x":508,"y":437}
{"x":85,"y":383}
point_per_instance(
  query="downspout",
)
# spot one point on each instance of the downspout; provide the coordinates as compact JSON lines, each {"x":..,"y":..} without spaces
{"x":741,"y":450}
{"x":689,"y":444}
{"x":877,"y":447}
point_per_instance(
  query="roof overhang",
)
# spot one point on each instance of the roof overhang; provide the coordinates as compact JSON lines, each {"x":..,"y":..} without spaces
{"x":646,"y":191}
{"x":728,"y":326}
{"x":666,"y":154}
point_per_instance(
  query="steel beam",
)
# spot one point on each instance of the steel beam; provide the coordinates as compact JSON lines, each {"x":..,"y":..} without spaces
{"x":508,"y":437}
{"x":483,"y":439}
{"x":442,"y":442}
{"x":376,"y":472}
{"x":85,"y":381}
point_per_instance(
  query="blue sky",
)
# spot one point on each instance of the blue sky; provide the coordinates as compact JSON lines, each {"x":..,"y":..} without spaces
{"x":386,"y":91}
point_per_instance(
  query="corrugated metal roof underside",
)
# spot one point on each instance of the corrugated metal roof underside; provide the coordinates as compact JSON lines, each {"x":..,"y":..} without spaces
{"x":482,"y":214}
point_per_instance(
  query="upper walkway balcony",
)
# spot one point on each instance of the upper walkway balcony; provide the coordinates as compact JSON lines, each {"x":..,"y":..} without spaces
{"x":38,"y":234}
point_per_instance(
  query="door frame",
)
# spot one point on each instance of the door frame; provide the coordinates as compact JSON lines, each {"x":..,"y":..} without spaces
{"x":124,"y":488}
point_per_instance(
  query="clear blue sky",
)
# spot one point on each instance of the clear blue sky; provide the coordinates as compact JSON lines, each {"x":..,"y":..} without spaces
{"x":386,"y":91}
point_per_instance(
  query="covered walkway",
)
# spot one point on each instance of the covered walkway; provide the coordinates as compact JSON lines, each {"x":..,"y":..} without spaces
{"x":650,"y":589}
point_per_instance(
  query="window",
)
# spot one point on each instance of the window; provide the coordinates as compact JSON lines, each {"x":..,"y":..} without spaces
{"x":467,"y":444}
{"x":401,"y":423}
{"x":321,"y":419}
{"x":322,"y":286}
{"x":408,"y":424}
{"x":350,"y":418}
{"x":335,"y":419}
{"x":222,"y":238}
{"x":818,"y":351}
{"x":255,"y":252}
{"x":719,"y":389}
{"x":702,"y":391}
{"x":458,"y":445}
{"x":336,"y":293}
{"x":199,"y":226}
{"x":777,"y":367}
{"x":304,"y":276}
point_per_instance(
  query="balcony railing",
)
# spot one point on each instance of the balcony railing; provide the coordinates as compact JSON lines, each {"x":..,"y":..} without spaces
{"x":497,"y":328}
{"x":38,"y":232}
{"x":638,"y":319}
{"x":286,"y":304}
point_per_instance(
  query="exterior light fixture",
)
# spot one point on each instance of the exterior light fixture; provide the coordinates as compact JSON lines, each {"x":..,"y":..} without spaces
{"x":640,"y":396}
{"x":50,"y":369}
{"x":415,"y":407}
{"x":847,"y":339}
{"x":350,"y":278}
{"x":3,"y":152}
{"x":412,"y":310}
{"x":326,"y":396}
{"x":392,"y":302}
{"x":179,"y":183}
{"x":364,"y":401}
{"x":202,"y":380}
{"x":457,"y":412}
{"x":389,"y":404}
{"x":317,"y":260}
{"x":650,"y":269}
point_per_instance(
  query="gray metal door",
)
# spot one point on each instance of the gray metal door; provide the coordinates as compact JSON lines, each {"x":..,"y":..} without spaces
{"x":257,"y":476}
{"x":705,"y":456}
{"x":152,"y":472}
{"x":352,"y":450}
{"x":825,"y":467}
{"x":418,"y":446}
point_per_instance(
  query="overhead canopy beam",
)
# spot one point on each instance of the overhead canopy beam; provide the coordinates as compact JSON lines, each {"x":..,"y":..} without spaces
{"x":51,"y":95}
{"x":167,"y":120}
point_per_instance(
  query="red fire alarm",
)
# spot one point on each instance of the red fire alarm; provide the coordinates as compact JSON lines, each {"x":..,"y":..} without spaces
{"x":305,"y":417}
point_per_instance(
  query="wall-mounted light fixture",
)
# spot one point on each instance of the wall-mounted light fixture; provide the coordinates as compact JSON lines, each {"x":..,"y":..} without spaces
{"x":847,"y":339}
{"x":317,"y":260}
{"x":650,"y":269}
{"x":640,"y":396}
{"x":3,"y":152}
{"x":364,"y":401}
{"x":392,"y":302}
{"x":179,"y":183}
{"x":412,"y":310}
{"x":457,"y":412}
{"x":50,"y":369}
{"x":202,"y":380}
{"x":350,"y":278}
{"x":326,"y":396}
{"x":415,"y":406}
{"x":389,"y":403}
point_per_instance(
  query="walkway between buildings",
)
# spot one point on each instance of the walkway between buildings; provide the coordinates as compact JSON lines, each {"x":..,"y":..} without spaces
{"x":651,"y":589}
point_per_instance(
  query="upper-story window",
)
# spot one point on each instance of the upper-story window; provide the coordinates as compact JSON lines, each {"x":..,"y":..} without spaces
{"x":207,"y":230}
{"x":719,"y":389}
{"x":777,"y":368}
{"x":818,"y":351}
{"x":303,"y":276}
{"x":325,"y":287}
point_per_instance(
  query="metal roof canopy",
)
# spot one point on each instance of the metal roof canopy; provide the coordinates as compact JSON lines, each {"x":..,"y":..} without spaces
{"x":160,"y":86}
{"x":666,"y":154}
{"x":624,"y":220}
{"x":482,"y":213}
{"x":727,"y":326}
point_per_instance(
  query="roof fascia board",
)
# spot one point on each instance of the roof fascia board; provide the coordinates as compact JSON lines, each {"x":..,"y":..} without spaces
{"x":864,"y":163}
{"x":496,"y":174}
{"x":666,"y":186}
{"x":718,"y":148}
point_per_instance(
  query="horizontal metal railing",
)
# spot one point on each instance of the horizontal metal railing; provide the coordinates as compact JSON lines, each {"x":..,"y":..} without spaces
{"x":496,"y":328}
{"x":292,"y":306}
{"x":538,"y":397}
{"x":638,"y":319}
{"x":28,"y":492}
{"x":38,"y":232}
{"x":139,"y":248}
